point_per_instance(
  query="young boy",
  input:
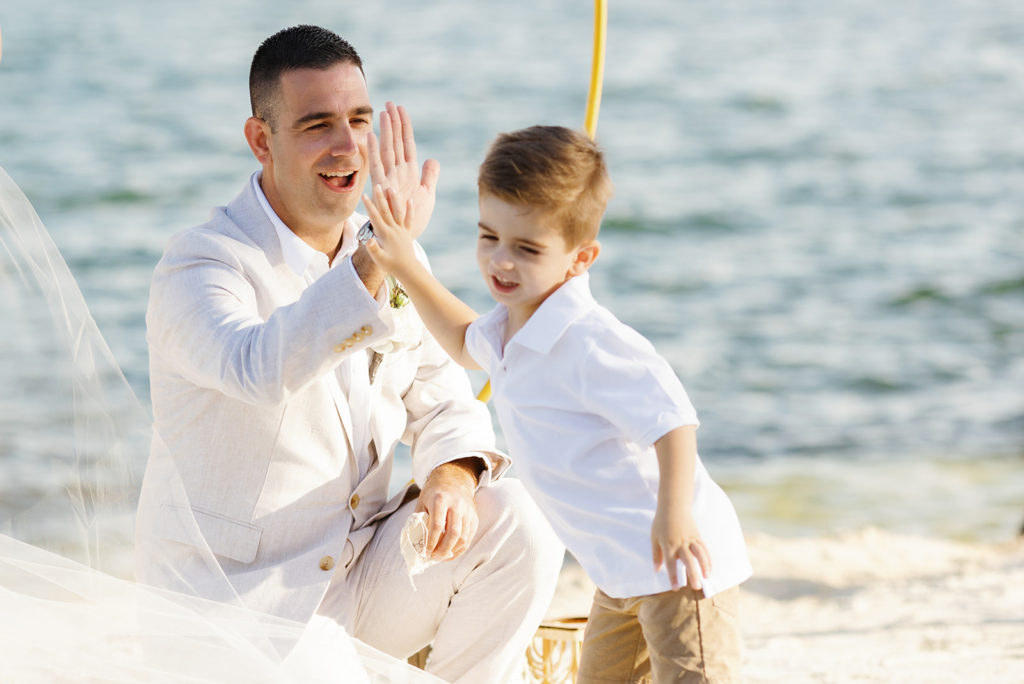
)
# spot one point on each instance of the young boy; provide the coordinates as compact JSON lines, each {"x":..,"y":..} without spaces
{"x":601,"y":430}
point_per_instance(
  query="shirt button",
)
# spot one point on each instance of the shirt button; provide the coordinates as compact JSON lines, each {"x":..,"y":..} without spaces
{"x":354,"y":501}
{"x":326,"y":563}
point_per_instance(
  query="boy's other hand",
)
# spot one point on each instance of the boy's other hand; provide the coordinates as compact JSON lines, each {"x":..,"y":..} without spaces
{"x":393,"y":165}
{"x":676,"y":537}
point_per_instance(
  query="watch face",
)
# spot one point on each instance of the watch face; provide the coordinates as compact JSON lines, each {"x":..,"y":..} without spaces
{"x":365,"y":233}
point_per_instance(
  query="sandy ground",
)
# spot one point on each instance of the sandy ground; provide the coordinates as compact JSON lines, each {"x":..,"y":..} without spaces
{"x":872,"y":606}
{"x":869,"y":606}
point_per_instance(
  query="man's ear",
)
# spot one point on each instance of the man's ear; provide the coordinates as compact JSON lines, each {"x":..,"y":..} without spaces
{"x":586,"y":255}
{"x":257,"y":134}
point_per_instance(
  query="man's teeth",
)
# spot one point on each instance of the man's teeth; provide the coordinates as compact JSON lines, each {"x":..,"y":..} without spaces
{"x":336,"y":174}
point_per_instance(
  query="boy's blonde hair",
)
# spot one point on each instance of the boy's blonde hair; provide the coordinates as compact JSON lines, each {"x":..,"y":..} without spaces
{"x":555,"y":170}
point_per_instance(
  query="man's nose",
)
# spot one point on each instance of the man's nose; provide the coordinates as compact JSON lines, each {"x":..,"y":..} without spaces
{"x":344,"y":143}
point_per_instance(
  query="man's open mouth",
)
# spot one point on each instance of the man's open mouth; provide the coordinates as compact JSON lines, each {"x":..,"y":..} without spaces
{"x":339,"y":180}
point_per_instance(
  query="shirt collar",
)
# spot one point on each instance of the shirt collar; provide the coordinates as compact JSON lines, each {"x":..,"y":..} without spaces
{"x":297,"y":253}
{"x":556,"y":314}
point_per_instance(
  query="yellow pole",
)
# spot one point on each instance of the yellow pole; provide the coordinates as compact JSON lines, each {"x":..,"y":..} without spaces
{"x":597,"y":67}
{"x":593,"y":101}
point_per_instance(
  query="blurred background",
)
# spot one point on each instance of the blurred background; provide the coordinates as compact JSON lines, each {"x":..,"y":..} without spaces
{"x":818,"y":219}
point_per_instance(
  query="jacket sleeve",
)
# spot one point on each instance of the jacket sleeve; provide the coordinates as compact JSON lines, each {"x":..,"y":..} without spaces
{"x":205,"y":320}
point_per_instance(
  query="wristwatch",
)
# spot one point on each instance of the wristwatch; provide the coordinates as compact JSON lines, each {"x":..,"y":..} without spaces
{"x":365,"y":233}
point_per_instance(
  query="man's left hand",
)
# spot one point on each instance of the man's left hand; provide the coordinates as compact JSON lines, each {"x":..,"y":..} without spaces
{"x":447,"y":499}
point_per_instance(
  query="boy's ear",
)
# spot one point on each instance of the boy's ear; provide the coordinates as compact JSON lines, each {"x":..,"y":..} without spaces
{"x":586,"y":255}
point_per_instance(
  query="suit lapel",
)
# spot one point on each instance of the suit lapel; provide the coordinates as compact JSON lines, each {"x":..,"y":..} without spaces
{"x":248,"y":216}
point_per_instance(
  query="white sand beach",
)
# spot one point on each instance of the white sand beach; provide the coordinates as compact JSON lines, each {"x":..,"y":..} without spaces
{"x":872,"y":606}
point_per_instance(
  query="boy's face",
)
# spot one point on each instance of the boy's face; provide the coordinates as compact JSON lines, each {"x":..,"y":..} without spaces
{"x":523,"y":257}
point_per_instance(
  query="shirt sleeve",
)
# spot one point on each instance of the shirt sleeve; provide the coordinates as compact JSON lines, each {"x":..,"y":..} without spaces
{"x":626,"y":382}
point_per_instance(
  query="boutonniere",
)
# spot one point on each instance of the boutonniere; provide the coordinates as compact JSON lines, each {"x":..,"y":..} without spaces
{"x":407,"y":326}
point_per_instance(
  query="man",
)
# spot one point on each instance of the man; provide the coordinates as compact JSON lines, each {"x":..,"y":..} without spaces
{"x":280,"y":390}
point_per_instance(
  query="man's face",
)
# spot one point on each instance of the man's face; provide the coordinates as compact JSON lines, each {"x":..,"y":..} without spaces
{"x":317,"y":164}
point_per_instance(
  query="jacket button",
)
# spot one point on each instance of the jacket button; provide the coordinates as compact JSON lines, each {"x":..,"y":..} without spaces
{"x":366,"y":330}
{"x":338,"y":349}
{"x":354,"y":501}
{"x":326,"y":563}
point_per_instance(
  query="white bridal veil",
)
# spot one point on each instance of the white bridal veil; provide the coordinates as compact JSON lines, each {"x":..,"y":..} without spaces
{"x":69,"y":610}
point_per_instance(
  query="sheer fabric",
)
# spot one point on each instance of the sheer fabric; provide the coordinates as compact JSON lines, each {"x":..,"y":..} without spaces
{"x":73,"y":446}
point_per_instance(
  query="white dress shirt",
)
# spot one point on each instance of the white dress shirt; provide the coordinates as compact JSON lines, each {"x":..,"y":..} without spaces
{"x":582,"y":398}
{"x":352,"y":374}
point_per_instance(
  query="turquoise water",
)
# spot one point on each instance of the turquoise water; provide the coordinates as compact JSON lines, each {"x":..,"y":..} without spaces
{"x":818,"y":215}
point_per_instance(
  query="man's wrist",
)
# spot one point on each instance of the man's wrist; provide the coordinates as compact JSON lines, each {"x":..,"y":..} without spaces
{"x":469,"y":469}
{"x":368,"y":271}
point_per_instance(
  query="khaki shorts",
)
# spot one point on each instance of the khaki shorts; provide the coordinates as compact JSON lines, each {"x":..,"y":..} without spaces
{"x":675,"y":636}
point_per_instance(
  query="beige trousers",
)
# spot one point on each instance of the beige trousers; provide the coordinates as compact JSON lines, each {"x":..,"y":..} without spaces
{"x":479,"y":611}
{"x":675,"y":636}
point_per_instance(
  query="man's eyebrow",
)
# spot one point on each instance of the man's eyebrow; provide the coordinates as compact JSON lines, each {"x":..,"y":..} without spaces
{"x":323,"y":116}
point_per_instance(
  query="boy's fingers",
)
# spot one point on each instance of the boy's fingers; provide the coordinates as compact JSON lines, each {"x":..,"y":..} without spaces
{"x":693,"y":574}
{"x":395,"y":207}
{"x":383,"y":208}
{"x":671,"y":566}
{"x":371,"y":209}
{"x":703,"y":557}
{"x":656,"y":555}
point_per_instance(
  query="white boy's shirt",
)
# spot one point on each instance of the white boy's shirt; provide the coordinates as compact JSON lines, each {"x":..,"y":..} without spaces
{"x":582,"y":398}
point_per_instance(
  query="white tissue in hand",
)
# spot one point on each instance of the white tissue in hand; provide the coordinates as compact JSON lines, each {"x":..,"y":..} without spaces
{"x":414,"y":544}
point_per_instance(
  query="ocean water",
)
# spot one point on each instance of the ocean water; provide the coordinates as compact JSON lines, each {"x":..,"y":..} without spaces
{"x":818,"y":218}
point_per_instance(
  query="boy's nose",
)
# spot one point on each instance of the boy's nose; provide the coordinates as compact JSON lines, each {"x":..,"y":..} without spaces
{"x":501,"y":260}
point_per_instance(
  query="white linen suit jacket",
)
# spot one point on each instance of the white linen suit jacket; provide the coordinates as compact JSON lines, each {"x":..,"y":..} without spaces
{"x":255,"y":430}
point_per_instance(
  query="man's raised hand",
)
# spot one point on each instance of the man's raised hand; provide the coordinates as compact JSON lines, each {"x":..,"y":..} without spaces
{"x":393,"y":165}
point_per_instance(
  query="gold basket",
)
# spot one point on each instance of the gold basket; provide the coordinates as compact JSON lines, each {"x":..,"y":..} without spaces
{"x":553,"y":657}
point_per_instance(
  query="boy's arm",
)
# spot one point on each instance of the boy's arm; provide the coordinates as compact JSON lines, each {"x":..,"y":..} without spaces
{"x":674,"y":532}
{"x":445,"y":315}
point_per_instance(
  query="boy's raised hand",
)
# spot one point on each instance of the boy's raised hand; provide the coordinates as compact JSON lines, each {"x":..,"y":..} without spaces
{"x":674,"y":535}
{"x":393,"y":166}
{"x":392,"y":247}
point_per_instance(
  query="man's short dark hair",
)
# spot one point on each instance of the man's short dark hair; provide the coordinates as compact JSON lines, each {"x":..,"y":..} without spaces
{"x":298,"y":47}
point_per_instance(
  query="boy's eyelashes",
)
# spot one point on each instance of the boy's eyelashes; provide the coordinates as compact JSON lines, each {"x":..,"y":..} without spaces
{"x":527,"y":249}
